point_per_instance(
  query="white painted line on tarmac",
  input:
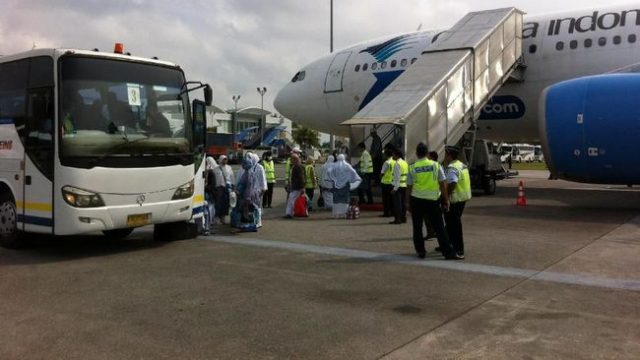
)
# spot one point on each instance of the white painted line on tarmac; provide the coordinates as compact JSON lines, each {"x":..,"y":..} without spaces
{"x":546,"y":276}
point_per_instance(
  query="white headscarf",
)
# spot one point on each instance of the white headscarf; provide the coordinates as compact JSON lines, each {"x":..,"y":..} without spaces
{"x":210,"y":163}
{"x":326,"y":168}
{"x":342,"y":173}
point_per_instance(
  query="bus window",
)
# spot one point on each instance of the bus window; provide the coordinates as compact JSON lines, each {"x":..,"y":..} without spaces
{"x":39,"y":130}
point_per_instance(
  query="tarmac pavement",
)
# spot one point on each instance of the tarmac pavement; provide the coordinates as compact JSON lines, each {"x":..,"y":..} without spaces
{"x":559,"y":278}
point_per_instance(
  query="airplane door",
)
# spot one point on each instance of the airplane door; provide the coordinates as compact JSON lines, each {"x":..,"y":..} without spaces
{"x":333,"y":81}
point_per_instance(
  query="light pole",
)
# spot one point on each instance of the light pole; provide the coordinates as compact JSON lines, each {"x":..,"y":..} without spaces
{"x":235,"y":98}
{"x":262,"y":92}
{"x":332,"y":139}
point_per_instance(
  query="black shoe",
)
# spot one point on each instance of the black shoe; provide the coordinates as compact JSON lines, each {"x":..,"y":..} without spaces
{"x":431,"y":236}
{"x":385,"y":215}
{"x":395,"y":222}
{"x":454,"y":257}
{"x":422,"y":255}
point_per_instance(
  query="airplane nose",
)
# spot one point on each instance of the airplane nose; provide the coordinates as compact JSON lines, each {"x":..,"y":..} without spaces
{"x":280,"y":102}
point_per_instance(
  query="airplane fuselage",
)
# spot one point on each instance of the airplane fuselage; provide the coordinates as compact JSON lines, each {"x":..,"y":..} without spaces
{"x":556,"y":47}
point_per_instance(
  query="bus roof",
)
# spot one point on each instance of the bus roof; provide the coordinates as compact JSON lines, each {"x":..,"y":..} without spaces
{"x":57,"y":52}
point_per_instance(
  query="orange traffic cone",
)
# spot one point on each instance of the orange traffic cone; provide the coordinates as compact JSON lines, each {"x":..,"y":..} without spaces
{"x":522,"y":200}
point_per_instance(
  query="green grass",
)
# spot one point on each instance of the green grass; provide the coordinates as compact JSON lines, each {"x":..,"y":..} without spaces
{"x":529,"y":166}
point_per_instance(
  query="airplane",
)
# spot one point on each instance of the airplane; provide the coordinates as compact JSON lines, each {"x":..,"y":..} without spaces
{"x":577,"y":94}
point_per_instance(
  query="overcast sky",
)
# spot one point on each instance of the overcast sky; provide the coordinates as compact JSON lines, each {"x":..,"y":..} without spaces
{"x":235,"y":45}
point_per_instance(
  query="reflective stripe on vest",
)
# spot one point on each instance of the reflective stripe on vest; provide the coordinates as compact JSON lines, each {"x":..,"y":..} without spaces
{"x":462,"y":191}
{"x":404,"y":170}
{"x":387,"y":177}
{"x":366,"y":158}
{"x":425,"y":179}
{"x":269,"y":171}
{"x":310,"y":177}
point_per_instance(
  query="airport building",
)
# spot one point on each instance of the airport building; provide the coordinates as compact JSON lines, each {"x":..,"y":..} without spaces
{"x":247,"y":117}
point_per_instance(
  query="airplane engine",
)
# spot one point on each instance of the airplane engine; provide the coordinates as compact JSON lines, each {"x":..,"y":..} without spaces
{"x":590,"y":129}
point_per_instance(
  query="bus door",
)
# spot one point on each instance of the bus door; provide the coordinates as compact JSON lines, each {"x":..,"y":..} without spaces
{"x":199,"y":146}
{"x":39,"y":148}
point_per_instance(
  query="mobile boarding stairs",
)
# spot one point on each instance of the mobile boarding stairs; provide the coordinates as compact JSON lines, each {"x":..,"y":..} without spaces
{"x":438,"y":99}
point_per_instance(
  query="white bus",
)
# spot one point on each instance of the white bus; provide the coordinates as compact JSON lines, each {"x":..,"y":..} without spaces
{"x":94,"y":141}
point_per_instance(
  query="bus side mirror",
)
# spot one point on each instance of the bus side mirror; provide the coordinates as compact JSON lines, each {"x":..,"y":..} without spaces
{"x":208,"y":95}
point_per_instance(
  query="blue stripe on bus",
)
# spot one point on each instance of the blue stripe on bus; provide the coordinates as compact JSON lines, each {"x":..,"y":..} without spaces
{"x":35,"y":220}
{"x":198,"y":210}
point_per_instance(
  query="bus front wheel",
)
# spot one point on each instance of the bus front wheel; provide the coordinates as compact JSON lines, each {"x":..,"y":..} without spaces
{"x":9,"y":236}
{"x":180,"y":230}
{"x":117,"y":233}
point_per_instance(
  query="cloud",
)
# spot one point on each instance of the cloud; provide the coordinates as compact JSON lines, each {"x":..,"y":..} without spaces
{"x":235,"y":45}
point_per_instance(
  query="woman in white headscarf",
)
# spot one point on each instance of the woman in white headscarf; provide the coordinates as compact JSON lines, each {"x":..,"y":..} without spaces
{"x":326,"y":183}
{"x":344,"y":178}
{"x":252,"y":183}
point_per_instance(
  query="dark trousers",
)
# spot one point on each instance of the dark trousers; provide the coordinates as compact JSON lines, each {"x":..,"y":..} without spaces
{"x":399,"y":207}
{"x":430,"y":210}
{"x":453,"y":218}
{"x":365,"y":188}
{"x":267,"y":197}
{"x":309,"y":193}
{"x":377,"y":167}
{"x":387,"y":200}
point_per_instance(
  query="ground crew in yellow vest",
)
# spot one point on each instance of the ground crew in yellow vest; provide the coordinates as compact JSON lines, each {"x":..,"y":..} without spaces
{"x":425,"y":184}
{"x":398,"y":192}
{"x":270,"y":172}
{"x":386,"y":174}
{"x":366,"y":173}
{"x":311,"y":181}
{"x":459,"y":188}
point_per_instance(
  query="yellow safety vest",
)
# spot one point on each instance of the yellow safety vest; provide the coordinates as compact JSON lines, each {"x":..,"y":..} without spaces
{"x":462,"y":191}
{"x":404,"y":170}
{"x":387,"y":177}
{"x":269,"y":171}
{"x":310,"y":177}
{"x":366,"y":158}
{"x":287,"y":169}
{"x":425,"y":179}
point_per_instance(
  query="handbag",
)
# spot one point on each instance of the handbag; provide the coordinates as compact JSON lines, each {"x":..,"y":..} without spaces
{"x":300,"y":206}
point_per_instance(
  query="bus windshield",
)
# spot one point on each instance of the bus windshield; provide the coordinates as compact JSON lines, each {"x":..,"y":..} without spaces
{"x":120,"y":109}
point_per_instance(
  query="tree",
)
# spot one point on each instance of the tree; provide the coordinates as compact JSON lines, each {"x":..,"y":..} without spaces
{"x":305,"y":136}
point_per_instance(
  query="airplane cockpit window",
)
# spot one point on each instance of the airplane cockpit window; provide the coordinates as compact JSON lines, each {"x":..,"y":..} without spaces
{"x":357,"y":68}
{"x":383,"y":65}
{"x":365,"y":67}
{"x":403,"y":62}
{"x":413,"y":60}
{"x":394,"y":63}
{"x":374,"y":66}
{"x":299,"y":76}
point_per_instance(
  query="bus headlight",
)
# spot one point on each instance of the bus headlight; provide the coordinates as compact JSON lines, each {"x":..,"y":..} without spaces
{"x":81,"y":198}
{"x":184,"y":192}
